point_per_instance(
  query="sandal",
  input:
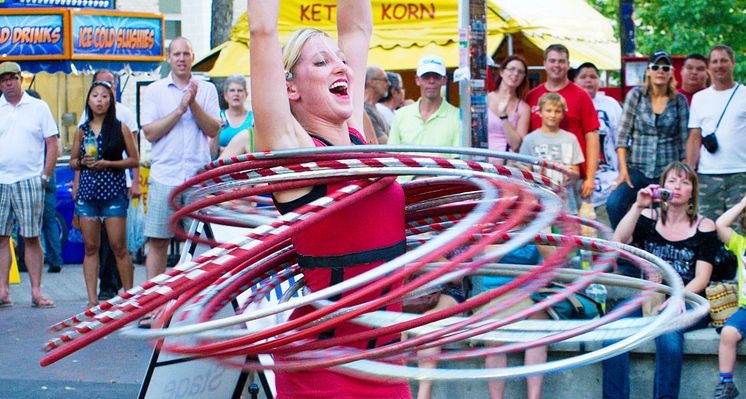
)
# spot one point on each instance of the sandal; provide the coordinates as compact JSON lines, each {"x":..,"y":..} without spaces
{"x":145,"y":322}
{"x":149,"y":320}
{"x":5,"y":302}
{"x":42,"y":302}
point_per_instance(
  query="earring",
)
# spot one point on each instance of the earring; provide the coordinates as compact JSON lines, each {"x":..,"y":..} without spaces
{"x":690,"y":210}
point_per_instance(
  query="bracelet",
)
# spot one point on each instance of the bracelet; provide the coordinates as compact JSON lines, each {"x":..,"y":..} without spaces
{"x":504,"y":116}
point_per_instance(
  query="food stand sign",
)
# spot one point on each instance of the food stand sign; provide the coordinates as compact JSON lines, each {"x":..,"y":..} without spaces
{"x":33,"y":36}
{"x":119,"y":36}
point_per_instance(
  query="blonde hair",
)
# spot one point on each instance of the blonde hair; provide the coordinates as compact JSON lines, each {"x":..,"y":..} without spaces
{"x":681,"y":167}
{"x":292,"y":49}
{"x":670,"y":90}
{"x":552,"y":98}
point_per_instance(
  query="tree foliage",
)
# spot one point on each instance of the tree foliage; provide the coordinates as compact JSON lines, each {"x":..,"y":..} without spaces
{"x":686,"y":26}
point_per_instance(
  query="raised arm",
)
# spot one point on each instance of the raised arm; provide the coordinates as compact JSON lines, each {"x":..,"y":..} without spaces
{"x":354,"y":27}
{"x":275,"y":126}
{"x":725,"y":220}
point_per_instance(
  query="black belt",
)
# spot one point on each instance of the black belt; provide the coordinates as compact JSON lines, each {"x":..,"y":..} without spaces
{"x":355,"y":258}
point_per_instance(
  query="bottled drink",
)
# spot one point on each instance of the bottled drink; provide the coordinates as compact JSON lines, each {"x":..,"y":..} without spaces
{"x":91,"y":147}
{"x":597,"y":292}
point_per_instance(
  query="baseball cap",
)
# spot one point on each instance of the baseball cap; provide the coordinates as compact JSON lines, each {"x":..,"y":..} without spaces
{"x":431,"y":63}
{"x":9,"y":67}
{"x":660,"y":55}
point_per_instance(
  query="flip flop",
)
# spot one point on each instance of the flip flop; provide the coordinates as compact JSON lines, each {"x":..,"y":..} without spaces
{"x":42,"y":302}
{"x":145,"y":322}
{"x":5,"y":302}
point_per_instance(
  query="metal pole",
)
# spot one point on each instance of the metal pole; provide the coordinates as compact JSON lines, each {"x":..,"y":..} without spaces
{"x":463,"y":52}
{"x":478,"y":72}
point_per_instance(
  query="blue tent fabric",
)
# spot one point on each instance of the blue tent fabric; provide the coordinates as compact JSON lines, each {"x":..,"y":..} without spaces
{"x":66,"y":66}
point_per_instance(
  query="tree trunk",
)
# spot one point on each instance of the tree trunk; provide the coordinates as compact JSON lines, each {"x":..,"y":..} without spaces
{"x":222,"y":17}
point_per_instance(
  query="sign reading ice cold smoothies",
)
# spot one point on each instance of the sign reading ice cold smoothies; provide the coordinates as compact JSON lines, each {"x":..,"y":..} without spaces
{"x":111,"y":36}
{"x":27,"y":37}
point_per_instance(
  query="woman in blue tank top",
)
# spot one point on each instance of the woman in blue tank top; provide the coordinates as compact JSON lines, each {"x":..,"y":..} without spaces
{"x":238,"y":122}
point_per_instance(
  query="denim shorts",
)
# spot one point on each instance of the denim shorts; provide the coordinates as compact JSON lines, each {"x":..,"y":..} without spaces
{"x":738,"y":321}
{"x":116,"y":207}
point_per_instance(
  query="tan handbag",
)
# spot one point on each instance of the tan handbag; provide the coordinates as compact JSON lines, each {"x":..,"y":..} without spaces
{"x":723,"y":298}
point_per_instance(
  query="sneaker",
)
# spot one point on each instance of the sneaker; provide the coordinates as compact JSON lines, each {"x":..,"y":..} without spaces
{"x":726,"y":390}
{"x":54,"y":269}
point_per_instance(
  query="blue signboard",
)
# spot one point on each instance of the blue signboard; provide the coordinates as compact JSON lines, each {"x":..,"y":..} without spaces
{"x":98,"y":4}
{"x":32,"y":36}
{"x":126,"y":37}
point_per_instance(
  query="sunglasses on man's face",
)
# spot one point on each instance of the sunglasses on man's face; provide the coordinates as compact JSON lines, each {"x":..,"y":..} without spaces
{"x":656,"y":67}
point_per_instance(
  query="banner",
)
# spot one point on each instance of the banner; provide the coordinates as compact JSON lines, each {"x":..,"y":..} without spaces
{"x":109,"y":36}
{"x":28,"y":37}
{"x":57,"y":3}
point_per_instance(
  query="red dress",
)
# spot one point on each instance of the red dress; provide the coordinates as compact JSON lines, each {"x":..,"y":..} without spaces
{"x":324,"y":251}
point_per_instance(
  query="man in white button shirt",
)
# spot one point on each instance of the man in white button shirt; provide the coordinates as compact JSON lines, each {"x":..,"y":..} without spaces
{"x":179,"y":115}
{"x":27,"y":125}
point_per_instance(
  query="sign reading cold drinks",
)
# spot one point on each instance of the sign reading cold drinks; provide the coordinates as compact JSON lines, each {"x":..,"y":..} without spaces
{"x":58,"y":34}
{"x":97,"y":36}
{"x":32,"y":36}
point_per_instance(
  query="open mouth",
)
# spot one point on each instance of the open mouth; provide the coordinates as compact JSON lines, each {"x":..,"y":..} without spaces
{"x":339,"y":88}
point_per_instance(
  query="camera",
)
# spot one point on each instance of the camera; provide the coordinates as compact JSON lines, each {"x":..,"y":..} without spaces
{"x":710,"y":142}
{"x":662,"y":194}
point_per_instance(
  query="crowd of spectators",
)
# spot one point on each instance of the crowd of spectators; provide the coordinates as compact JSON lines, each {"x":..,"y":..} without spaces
{"x":684,"y":139}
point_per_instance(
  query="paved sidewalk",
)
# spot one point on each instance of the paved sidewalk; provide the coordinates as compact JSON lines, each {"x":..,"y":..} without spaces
{"x":110,"y":368}
{"x":66,"y":286}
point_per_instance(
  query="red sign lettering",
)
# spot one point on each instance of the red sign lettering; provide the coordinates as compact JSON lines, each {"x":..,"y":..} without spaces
{"x":316,"y":12}
{"x":407,"y":11}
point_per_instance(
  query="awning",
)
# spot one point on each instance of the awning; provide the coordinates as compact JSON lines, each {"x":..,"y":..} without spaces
{"x":574,"y":23}
{"x":403,"y":32}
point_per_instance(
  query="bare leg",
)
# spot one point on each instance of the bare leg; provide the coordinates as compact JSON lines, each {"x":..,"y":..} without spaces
{"x":116,"y":229}
{"x":155,"y":263}
{"x":496,"y":387}
{"x":729,"y":339}
{"x":536,"y":355}
{"x":425,"y":389}
{"x":91,"y":229}
{"x":5,"y":262}
{"x":34,"y":257}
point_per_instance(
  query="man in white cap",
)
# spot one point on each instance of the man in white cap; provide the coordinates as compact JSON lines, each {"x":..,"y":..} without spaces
{"x":431,"y":120}
{"x":27,"y":125}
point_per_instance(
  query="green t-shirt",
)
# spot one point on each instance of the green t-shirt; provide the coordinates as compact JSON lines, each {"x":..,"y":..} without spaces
{"x":737,"y":245}
{"x":441,"y":129}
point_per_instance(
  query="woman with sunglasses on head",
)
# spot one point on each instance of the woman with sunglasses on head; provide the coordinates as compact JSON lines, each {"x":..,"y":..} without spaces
{"x":652,"y":133}
{"x":101,"y":195}
{"x":508,"y":116}
{"x":307,"y":94}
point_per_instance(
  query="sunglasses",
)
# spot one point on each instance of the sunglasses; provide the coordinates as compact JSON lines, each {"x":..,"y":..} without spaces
{"x":656,"y":67}
{"x":101,"y":83}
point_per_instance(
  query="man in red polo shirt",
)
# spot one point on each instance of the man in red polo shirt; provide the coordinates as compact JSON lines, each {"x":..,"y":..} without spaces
{"x":580,"y":119}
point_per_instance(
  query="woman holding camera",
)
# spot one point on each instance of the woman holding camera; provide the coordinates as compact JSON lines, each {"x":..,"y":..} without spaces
{"x":652,"y":133}
{"x":676,"y":233}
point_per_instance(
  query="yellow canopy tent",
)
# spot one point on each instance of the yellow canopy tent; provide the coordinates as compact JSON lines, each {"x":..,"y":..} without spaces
{"x":403,"y":32}
{"x":574,"y":23}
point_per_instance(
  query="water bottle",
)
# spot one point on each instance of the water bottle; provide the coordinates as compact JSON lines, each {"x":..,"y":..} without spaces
{"x":597,"y":292}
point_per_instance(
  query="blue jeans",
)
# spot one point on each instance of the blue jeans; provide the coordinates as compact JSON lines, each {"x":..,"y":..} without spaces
{"x":669,"y":349}
{"x":619,"y":201}
{"x":50,"y":231}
